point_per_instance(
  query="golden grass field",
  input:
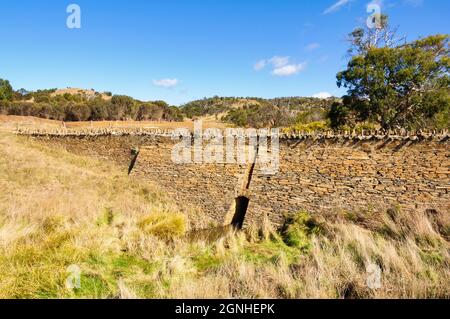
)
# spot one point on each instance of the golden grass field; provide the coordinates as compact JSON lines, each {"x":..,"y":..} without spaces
{"x":59,"y":209}
{"x":11,"y":122}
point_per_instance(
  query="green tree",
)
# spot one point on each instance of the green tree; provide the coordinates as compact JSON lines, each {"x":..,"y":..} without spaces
{"x":144,"y":111}
{"x":6,"y":91}
{"x":77,"y":112}
{"x":122,"y":107}
{"x":99,"y":110}
{"x":396,"y":86}
{"x":174,"y":114}
{"x":161,"y":104}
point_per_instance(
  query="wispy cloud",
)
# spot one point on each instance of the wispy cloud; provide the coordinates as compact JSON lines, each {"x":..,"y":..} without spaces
{"x":338,"y":5}
{"x":261,"y":64}
{"x":279,"y":61}
{"x":312,"y":46}
{"x":166,"y":83}
{"x":276,"y":61}
{"x":289,"y":69}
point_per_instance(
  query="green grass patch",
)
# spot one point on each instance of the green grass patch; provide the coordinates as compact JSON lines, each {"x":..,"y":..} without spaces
{"x":297,"y":230}
{"x":207,"y":260}
{"x":270,"y":251}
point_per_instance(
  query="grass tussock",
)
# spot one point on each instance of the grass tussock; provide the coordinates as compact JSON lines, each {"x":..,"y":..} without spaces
{"x":164,"y":226}
{"x":60,"y":212}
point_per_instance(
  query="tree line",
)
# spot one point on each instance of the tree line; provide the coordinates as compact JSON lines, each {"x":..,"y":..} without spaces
{"x":258,"y":112}
{"x":80,"y":107}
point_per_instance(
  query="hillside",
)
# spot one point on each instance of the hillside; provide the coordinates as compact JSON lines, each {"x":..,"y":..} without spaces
{"x":289,"y":113}
{"x":75,"y":105}
{"x":78,"y":105}
{"x":89,"y":94}
{"x":258,"y":112}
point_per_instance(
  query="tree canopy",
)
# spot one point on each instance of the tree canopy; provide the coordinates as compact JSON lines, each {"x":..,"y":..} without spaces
{"x":6,"y":91}
{"x":79,"y":107}
{"x":394,"y":85}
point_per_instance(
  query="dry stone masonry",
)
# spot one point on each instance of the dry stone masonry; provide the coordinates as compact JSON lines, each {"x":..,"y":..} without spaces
{"x":319,"y":172}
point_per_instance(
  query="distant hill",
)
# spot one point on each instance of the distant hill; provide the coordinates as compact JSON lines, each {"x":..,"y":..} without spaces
{"x":74,"y":105}
{"x":88,"y":94}
{"x":77,"y":104}
{"x":258,"y":112}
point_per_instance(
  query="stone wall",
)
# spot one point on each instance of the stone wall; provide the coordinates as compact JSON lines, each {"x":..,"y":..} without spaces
{"x":345,"y":175}
{"x":321,"y":174}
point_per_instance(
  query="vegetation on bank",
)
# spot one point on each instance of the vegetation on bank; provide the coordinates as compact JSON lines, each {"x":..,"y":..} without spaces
{"x":127,"y":240}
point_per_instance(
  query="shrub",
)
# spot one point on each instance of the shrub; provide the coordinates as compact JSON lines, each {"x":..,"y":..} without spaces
{"x":297,"y":230}
{"x":164,"y":225}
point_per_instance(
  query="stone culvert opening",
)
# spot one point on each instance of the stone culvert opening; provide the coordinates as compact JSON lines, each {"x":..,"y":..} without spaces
{"x":240,"y":211}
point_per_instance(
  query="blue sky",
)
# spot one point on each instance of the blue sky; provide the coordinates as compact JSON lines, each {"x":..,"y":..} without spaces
{"x":178,"y":50}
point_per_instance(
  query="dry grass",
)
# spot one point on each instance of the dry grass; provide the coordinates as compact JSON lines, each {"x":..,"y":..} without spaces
{"x":58,"y":209}
{"x":11,"y":122}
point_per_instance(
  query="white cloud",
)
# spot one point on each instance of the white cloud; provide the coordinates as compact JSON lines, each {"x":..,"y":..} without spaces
{"x":312,"y":46}
{"x":166,"y":83}
{"x":276,"y":62}
{"x":289,"y":69}
{"x":322,"y":95}
{"x":281,"y":66}
{"x":261,"y":64}
{"x":279,"y":61}
{"x":335,"y":7}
